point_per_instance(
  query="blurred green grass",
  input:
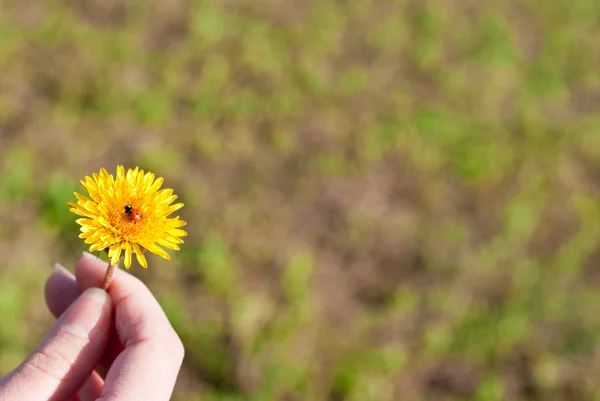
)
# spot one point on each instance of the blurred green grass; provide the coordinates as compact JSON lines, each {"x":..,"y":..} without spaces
{"x":386,"y":200}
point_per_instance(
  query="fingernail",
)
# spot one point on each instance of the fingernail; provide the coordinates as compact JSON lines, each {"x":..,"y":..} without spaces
{"x":83,"y":315}
{"x":60,"y":268}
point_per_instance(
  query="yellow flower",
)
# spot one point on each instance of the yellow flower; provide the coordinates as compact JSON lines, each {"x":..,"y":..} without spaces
{"x":110,"y":221}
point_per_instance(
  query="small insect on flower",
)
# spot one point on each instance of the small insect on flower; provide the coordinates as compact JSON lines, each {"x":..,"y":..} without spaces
{"x":115,"y":202}
{"x":132,"y":213}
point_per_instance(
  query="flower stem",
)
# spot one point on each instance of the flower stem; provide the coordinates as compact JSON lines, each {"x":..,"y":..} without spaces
{"x":110,"y":270}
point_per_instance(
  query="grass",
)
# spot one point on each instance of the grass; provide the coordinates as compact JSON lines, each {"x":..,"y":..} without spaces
{"x":387,"y":200}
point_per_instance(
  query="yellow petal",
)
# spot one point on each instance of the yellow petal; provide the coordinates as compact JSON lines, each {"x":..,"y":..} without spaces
{"x":127,"y":258}
{"x":177,"y":232}
{"x":114,"y":253}
{"x":97,"y":247}
{"x":175,"y":223}
{"x":156,"y":185}
{"x":140,"y":256}
{"x":82,"y":198}
{"x":77,"y":211}
{"x":173,"y":239}
{"x":173,"y":208}
{"x":167,"y":244}
{"x":155,"y":249}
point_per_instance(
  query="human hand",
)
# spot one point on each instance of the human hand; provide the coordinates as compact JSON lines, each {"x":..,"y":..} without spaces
{"x":124,"y":333}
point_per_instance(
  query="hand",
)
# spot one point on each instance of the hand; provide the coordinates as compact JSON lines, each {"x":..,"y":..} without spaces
{"x":137,"y":347}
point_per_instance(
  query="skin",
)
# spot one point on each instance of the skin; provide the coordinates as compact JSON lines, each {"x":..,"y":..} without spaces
{"x":113,"y":346}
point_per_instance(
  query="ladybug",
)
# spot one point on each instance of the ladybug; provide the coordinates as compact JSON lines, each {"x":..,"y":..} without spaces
{"x":133,"y":214}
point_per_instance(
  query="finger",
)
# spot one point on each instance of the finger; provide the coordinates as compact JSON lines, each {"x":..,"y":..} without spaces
{"x":59,"y":366}
{"x":92,"y":389}
{"x":61,"y":290}
{"x":153,"y":351}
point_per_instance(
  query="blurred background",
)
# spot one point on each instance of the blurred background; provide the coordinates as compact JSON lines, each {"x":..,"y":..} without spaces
{"x":387,"y":200}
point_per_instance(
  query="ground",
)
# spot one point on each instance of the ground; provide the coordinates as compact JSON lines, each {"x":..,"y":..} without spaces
{"x":386,"y":199}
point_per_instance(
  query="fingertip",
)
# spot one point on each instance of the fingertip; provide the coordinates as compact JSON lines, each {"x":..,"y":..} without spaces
{"x":58,"y":268}
{"x":89,"y":271}
{"x":90,"y":312}
{"x":90,"y":259}
{"x":60,"y":290}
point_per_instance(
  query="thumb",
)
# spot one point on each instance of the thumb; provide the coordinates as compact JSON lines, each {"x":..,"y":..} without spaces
{"x":65,"y":359}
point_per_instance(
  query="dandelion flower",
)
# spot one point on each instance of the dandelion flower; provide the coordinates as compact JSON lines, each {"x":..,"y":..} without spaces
{"x":128,"y":214}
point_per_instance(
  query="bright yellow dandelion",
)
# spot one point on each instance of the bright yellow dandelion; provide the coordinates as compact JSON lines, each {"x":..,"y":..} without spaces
{"x":128,"y":214}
